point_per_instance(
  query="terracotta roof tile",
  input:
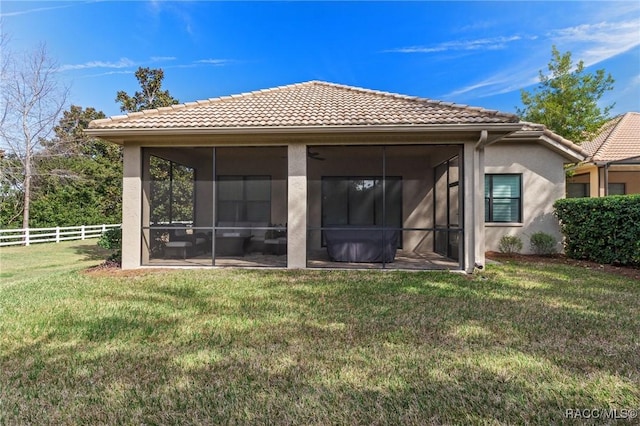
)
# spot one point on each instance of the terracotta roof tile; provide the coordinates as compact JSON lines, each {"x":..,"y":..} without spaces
{"x":618,"y":139}
{"x":313,"y":103}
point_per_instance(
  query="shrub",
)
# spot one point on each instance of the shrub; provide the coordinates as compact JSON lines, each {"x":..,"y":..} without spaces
{"x":605,"y":230}
{"x":542,"y":243}
{"x":112,"y":240}
{"x":510,"y":244}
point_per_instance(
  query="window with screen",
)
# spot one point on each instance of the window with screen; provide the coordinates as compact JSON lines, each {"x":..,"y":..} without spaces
{"x":244,"y":199}
{"x":503,"y":198}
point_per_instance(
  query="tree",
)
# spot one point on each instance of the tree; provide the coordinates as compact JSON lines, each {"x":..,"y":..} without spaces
{"x":31,"y":102}
{"x":566,"y":100}
{"x":79,"y":178}
{"x":151,"y":95}
{"x":10,"y":191}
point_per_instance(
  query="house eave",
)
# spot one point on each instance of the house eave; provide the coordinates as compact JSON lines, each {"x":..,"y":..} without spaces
{"x":571,"y":152}
{"x":438,"y":128}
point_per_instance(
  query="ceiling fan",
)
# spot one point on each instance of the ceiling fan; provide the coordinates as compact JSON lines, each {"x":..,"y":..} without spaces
{"x":314,"y":155}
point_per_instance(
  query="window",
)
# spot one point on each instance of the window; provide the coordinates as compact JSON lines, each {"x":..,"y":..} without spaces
{"x":358,"y":201}
{"x":244,"y":199}
{"x":502,"y":198}
{"x":172,"y":191}
{"x":616,"y":189}
{"x":578,"y":190}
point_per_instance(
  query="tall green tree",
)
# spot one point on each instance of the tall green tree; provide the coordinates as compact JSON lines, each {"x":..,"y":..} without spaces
{"x":566,"y":100}
{"x":79,"y":178}
{"x":151,"y":96}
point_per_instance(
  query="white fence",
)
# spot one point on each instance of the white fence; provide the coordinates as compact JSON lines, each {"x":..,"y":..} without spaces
{"x":15,"y":237}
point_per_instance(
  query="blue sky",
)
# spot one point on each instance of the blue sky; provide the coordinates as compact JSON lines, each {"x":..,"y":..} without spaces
{"x":476,"y":53}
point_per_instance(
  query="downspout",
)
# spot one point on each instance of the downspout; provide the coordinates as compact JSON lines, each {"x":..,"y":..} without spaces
{"x":484,"y":136}
{"x":478,"y":201}
{"x":606,"y":179}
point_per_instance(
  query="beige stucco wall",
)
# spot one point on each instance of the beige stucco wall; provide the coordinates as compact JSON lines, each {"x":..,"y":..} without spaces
{"x":543,"y":182}
{"x":297,"y":214}
{"x":131,"y":202}
{"x":631,"y":179}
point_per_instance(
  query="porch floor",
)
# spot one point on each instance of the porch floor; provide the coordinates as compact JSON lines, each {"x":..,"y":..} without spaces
{"x":317,"y":259}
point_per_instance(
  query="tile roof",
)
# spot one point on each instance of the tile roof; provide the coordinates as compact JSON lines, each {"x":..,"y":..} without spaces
{"x":542,"y":129}
{"x":309,"y":104}
{"x":618,"y":139}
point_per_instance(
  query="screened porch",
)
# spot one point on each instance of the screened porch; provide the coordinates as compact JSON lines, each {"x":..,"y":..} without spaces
{"x":373,"y":207}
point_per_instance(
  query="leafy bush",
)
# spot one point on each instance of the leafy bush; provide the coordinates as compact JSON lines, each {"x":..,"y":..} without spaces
{"x":605,"y":230}
{"x":542,"y":243}
{"x":112,"y":240}
{"x":510,"y":244}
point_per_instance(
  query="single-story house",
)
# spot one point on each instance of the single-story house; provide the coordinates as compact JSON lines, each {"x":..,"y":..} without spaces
{"x":613,"y":163}
{"x":321,"y":175}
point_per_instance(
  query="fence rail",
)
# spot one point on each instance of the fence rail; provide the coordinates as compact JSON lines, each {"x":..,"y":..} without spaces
{"x":28,"y":236}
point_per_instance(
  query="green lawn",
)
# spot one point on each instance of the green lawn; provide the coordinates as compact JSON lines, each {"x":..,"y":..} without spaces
{"x":519,"y":343}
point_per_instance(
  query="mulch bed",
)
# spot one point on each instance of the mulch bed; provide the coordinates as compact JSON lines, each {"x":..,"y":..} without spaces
{"x":111,"y":268}
{"x":625,"y":271}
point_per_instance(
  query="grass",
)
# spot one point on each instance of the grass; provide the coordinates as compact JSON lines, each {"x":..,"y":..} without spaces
{"x":519,"y":343}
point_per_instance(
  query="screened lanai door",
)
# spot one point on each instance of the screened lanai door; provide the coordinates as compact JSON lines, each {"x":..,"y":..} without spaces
{"x":375,"y":207}
{"x":447,"y":211}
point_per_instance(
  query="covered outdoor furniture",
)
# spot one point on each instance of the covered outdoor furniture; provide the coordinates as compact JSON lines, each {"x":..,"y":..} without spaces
{"x":231,"y":243}
{"x":177,"y":249}
{"x":185,"y":242}
{"x":275,"y":246}
{"x":355,"y":245}
{"x":244,"y":237}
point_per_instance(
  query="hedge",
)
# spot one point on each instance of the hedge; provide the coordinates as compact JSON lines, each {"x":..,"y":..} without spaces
{"x":605,"y":230}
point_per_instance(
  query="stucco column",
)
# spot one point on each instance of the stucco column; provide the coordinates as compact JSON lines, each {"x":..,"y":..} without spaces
{"x":131,"y":206}
{"x":602,"y":190}
{"x":297,"y":207}
{"x":478,"y":203}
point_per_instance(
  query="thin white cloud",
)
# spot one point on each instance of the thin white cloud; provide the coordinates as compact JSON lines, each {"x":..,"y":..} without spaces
{"x":477,"y":26}
{"x":217,"y":62}
{"x":102,"y":74}
{"x":594,"y":43}
{"x":122,"y":63}
{"x":494,"y":43}
{"x":497,"y":84}
{"x":36,"y":10}
{"x":163,"y":58}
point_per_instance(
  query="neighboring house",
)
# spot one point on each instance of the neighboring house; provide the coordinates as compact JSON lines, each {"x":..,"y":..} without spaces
{"x":325,"y":175}
{"x":613,"y":164}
